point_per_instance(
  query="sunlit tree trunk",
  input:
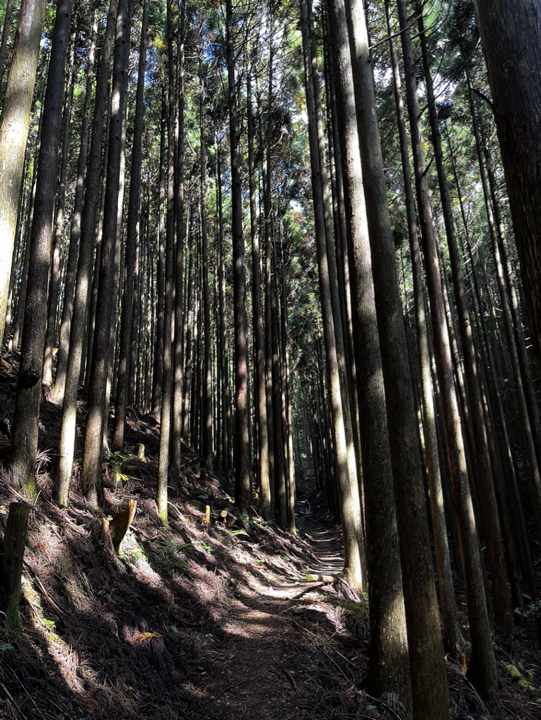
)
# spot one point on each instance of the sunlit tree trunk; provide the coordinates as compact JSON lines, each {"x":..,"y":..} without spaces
{"x":14,"y":132}
{"x":482,"y":667}
{"x":56,"y":269}
{"x":501,"y":598}
{"x":25,"y":425}
{"x":132,"y":242}
{"x":93,"y":184}
{"x":112,"y":223}
{"x":451,"y":631}
{"x":347,"y":485}
{"x":388,"y":670}
{"x":73,"y":253}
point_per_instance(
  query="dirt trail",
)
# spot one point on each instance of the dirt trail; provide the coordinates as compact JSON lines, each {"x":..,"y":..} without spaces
{"x":262,"y":669}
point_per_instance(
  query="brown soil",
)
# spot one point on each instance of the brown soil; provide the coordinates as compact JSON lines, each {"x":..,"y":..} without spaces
{"x":193,"y":621}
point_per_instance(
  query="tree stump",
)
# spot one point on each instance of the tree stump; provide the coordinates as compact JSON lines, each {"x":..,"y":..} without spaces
{"x":118,"y":527}
{"x":12,"y":563}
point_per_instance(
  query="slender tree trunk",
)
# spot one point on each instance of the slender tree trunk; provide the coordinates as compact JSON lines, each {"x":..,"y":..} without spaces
{"x":430,"y":700}
{"x":347,"y":485}
{"x":207,"y":360}
{"x":167,"y":373}
{"x":112,"y":224}
{"x":265,"y":494}
{"x":84,"y":267}
{"x":14,"y":132}
{"x":55,"y":274}
{"x":179,"y":315}
{"x":501,"y":598}
{"x":511,"y":38}
{"x":388,"y":670}
{"x":482,"y":668}
{"x":160,"y":271}
{"x":242,"y":439}
{"x":73,"y":253}
{"x":132,"y":242}
{"x":25,"y":424}
{"x":451,"y":633}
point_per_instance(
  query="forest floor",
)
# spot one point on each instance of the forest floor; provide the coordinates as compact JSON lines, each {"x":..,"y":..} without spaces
{"x":229,"y":621}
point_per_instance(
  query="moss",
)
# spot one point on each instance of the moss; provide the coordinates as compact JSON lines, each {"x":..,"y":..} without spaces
{"x":513,"y":672}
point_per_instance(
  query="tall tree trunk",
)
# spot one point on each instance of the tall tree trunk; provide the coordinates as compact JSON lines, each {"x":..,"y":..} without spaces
{"x":55,"y":274}
{"x":482,"y":668}
{"x":451,"y":633}
{"x":242,"y":439}
{"x":73,"y":253}
{"x":501,"y":598}
{"x":132,"y":242}
{"x":160,"y":270}
{"x":511,"y":38}
{"x":430,"y":700}
{"x":347,"y":485}
{"x":84,"y":267}
{"x":207,"y":360}
{"x":112,"y":227}
{"x":14,"y":132}
{"x":25,"y":425}
{"x":388,"y":670}
{"x":265,"y":495}
{"x":179,"y":313}
{"x":167,"y":372}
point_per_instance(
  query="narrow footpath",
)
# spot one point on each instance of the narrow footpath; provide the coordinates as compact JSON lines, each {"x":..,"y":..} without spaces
{"x":279,"y":636}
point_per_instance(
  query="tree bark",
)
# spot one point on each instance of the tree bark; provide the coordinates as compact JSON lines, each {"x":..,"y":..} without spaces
{"x":501,"y":598}
{"x":482,"y":668}
{"x":451,"y":633}
{"x":84,"y":267}
{"x":132,"y":243}
{"x":388,"y":670}
{"x":73,"y":253}
{"x":511,"y":38}
{"x":14,"y":132}
{"x":12,"y":555}
{"x":430,"y":700}
{"x":25,"y":424}
{"x":112,"y":224}
{"x":242,"y":438}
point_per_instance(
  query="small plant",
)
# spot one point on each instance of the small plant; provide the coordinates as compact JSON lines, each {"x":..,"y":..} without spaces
{"x":167,"y":555}
{"x":239,"y":532}
{"x":115,"y":461}
{"x":133,"y":555}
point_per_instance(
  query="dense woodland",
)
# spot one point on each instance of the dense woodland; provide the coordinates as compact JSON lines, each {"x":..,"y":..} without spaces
{"x":301,"y":243}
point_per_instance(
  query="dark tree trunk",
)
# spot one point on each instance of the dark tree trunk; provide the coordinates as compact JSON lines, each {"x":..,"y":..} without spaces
{"x":501,"y":598}
{"x":84,"y":267}
{"x":25,"y":424}
{"x":482,"y":668}
{"x":430,"y":700}
{"x":511,"y":37}
{"x":73,"y":253}
{"x":242,"y":438}
{"x":388,"y":670}
{"x":112,"y":227}
{"x":132,"y":243}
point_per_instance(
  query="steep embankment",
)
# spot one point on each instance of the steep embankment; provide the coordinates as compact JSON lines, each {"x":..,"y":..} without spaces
{"x":192,"y":621}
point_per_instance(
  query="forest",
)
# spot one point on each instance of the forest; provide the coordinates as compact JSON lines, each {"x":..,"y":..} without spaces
{"x":270,"y":359}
